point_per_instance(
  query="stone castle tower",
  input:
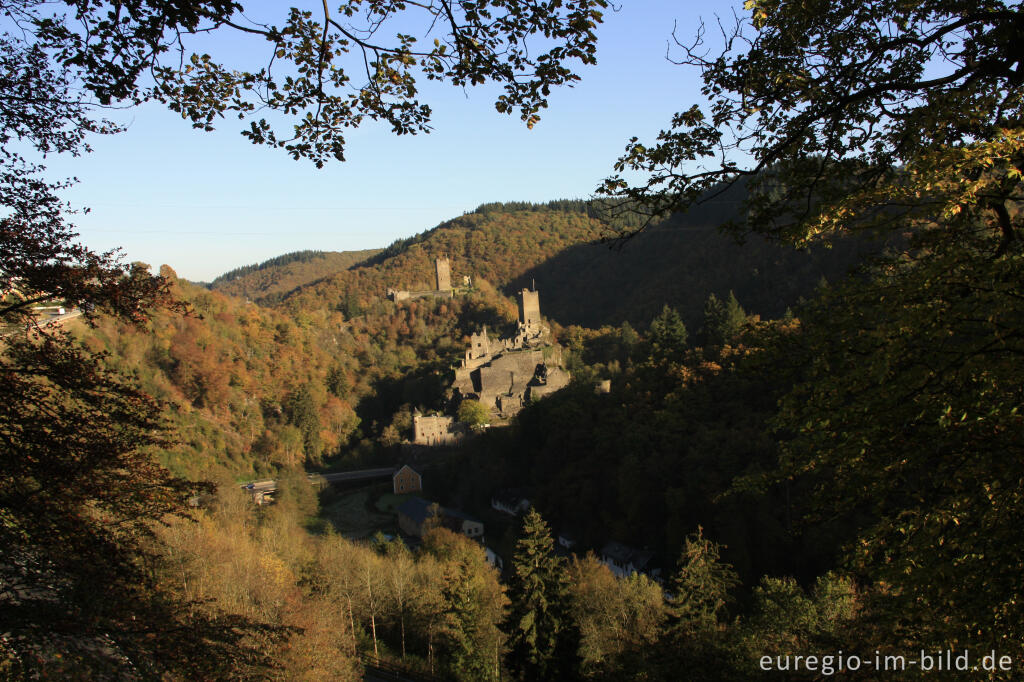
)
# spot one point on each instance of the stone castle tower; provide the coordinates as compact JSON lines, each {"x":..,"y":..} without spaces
{"x":529,"y":307}
{"x":444,"y":274}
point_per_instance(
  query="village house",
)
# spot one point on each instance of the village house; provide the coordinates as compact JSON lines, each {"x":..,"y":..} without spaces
{"x":624,"y":560}
{"x":406,"y":480}
{"x":510,"y":501}
{"x":414,"y":513}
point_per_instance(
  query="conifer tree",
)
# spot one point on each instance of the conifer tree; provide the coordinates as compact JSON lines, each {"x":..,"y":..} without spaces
{"x":667,"y":335}
{"x":542,"y":645}
{"x":722,"y":319}
{"x":303,"y":413}
{"x":700,"y":589}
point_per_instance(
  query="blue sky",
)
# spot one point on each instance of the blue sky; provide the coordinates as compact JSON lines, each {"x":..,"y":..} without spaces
{"x":205,"y":203}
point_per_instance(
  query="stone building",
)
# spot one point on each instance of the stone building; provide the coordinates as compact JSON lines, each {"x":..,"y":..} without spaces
{"x":434,"y":429}
{"x":406,"y":480}
{"x":505,"y":374}
{"x":442,"y":280}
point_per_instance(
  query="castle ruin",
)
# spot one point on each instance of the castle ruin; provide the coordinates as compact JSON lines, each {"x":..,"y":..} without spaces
{"x":434,"y":429}
{"x":443,"y":274}
{"x":442,"y":280}
{"x":505,"y":374}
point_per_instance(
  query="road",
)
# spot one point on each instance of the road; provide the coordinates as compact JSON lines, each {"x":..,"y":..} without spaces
{"x":47,"y":321}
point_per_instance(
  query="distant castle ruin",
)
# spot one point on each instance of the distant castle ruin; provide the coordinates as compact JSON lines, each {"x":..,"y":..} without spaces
{"x":505,"y":374}
{"x":442,"y":280}
{"x":502,"y":373}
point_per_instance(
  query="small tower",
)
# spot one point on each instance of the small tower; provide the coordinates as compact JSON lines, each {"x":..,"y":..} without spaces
{"x":529,"y":307}
{"x":444,"y":274}
{"x":479,"y":345}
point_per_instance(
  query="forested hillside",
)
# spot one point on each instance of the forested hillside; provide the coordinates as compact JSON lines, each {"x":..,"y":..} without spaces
{"x":492,"y":245}
{"x":272,"y":279}
{"x":585,"y":276}
{"x":762,"y":467}
{"x":254,"y":390}
{"x":679,"y":263}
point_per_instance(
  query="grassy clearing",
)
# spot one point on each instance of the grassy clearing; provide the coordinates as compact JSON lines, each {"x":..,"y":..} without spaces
{"x":353,"y":515}
{"x":388,"y":503}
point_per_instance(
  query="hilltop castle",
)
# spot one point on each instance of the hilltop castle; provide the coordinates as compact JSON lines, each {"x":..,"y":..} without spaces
{"x":502,"y":373}
{"x":505,"y":374}
{"x":442,"y":280}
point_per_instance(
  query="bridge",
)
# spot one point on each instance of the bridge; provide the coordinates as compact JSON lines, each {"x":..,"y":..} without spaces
{"x":263,"y":491}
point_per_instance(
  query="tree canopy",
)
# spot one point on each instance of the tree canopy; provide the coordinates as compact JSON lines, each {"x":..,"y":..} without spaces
{"x":848,"y":114}
{"x":903,"y":120}
{"x":325,"y":68}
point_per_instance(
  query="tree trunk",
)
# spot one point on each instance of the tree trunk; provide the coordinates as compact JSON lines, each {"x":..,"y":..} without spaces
{"x":373,"y":628}
{"x":402,"y":618}
{"x":352,"y":623}
{"x":430,"y":648}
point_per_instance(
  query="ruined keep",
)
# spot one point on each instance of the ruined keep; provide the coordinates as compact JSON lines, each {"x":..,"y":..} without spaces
{"x":505,"y":374}
{"x":529,"y":307}
{"x":443,"y":274}
{"x":442,"y":279}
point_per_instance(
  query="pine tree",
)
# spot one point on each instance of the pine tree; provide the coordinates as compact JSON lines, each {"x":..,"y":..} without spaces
{"x":667,"y":335}
{"x":540,"y":632}
{"x":700,"y":589}
{"x":303,"y":413}
{"x":723,"y":320}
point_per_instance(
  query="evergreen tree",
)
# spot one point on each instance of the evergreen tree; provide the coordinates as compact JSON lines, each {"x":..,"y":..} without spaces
{"x":472,"y":606}
{"x":700,"y":589}
{"x":461,"y":622}
{"x":628,"y":339}
{"x":540,"y":632}
{"x":337,"y":383}
{"x":303,"y":413}
{"x":696,"y":639}
{"x":667,"y":335}
{"x":723,"y":320}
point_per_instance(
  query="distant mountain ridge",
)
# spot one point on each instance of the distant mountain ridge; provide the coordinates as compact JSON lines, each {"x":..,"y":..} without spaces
{"x":269,"y":281}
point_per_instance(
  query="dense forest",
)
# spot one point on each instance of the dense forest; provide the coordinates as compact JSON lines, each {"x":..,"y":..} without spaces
{"x":795,"y":397}
{"x":274,"y":278}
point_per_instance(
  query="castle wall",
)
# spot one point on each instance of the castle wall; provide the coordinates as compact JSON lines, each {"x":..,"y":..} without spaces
{"x":555,"y":381}
{"x":508,"y":373}
{"x":503,"y":373}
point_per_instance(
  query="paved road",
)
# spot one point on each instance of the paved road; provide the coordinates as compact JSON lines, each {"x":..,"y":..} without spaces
{"x":47,"y":321}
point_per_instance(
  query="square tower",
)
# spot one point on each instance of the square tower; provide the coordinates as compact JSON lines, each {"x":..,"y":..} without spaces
{"x":444,"y":274}
{"x":529,"y":307}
